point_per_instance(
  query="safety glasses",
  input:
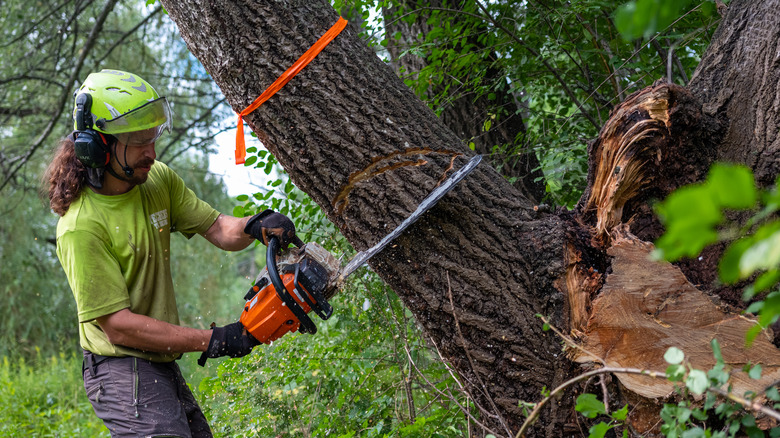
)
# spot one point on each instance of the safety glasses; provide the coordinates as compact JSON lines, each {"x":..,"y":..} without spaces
{"x":141,"y":126}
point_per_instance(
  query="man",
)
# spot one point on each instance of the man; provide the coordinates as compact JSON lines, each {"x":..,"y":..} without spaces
{"x":118,"y":207}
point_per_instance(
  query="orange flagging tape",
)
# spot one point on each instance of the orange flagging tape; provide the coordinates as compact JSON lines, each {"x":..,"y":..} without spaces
{"x":302,"y":62}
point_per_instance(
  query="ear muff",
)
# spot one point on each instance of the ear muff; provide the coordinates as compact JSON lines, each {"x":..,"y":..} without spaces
{"x":91,"y":146}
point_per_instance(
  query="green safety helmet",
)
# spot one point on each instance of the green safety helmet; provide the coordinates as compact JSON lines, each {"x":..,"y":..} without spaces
{"x":123,"y":103}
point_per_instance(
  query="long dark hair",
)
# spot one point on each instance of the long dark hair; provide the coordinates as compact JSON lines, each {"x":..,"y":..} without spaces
{"x":65,"y":177}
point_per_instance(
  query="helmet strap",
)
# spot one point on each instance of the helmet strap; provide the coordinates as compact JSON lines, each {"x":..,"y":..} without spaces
{"x":116,"y":175}
{"x":127,"y":169}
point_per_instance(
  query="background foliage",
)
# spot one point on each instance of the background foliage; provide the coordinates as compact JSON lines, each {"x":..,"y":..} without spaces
{"x":557,"y":67}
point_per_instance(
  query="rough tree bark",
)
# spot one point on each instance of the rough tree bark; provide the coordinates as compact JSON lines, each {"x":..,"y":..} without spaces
{"x":479,"y":266}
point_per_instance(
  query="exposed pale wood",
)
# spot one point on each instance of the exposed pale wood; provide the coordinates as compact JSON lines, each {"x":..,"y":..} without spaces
{"x":646,"y":306}
{"x":581,"y":284}
{"x":628,"y":145}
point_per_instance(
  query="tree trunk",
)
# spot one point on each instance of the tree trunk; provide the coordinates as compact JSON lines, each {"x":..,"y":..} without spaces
{"x":737,"y":80}
{"x":481,"y":264}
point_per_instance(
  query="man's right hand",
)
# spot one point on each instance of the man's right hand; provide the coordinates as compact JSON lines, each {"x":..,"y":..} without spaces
{"x":231,"y":340}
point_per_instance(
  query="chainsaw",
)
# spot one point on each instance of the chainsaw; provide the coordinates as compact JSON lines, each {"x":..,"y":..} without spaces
{"x":304,"y":279}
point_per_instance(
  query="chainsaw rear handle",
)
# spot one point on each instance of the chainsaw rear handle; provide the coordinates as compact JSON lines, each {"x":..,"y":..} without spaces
{"x":307,"y":325}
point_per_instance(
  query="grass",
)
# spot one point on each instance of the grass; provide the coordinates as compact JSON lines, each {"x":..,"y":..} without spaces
{"x":45,"y":397}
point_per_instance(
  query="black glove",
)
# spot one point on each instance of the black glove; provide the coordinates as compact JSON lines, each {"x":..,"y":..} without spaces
{"x":270,"y":223}
{"x":231,"y":340}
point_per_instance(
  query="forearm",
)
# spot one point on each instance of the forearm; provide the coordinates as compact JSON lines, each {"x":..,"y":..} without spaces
{"x":227,"y":233}
{"x":149,"y":334}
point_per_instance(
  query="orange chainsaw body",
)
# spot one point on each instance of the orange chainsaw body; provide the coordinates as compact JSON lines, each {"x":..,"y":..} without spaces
{"x":267,"y":317}
{"x":280,"y":299}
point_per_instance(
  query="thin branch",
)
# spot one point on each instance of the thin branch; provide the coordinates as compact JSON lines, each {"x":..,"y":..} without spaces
{"x":571,"y":342}
{"x":747,"y":404}
{"x":544,"y":62}
{"x":471,"y":361}
{"x":192,"y":124}
{"x":127,"y":34}
{"x":602,"y":46}
{"x":670,"y":57}
{"x":448,"y":396}
{"x":604,"y":392}
{"x":535,"y":413}
{"x":636,"y":52}
{"x":25,"y":33}
{"x":65,"y":95}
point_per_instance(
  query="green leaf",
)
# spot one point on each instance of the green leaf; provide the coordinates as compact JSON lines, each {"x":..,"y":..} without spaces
{"x":242,"y":198}
{"x":763,"y":255}
{"x":708,"y":9}
{"x":589,"y":406}
{"x":718,"y":375}
{"x":729,"y":265}
{"x":621,"y":414}
{"x":769,"y":312}
{"x":733,"y":186}
{"x":694,"y":433}
{"x":250,"y":161}
{"x":715,"y":345}
{"x":640,"y":18}
{"x":690,"y":217}
{"x":697,"y":382}
{"x":755,"y":308}
{"x":675,"y":373}
{"x":755,"y":372}
{"x":751,"y":334}
{"x":699,"y":414}
{"x":674,"y":356}
{"x":598,"y":430}
{"x":766,"y":281}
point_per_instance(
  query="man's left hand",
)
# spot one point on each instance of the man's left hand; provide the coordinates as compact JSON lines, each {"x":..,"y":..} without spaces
{"x":270,"y":223}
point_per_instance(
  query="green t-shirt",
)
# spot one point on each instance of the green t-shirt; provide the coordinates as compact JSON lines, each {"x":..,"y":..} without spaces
{"x":115,"y":251}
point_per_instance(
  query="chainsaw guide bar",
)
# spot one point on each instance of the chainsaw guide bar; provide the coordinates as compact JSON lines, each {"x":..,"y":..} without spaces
{"x":302,"y":280}
{"x":431,"y":200}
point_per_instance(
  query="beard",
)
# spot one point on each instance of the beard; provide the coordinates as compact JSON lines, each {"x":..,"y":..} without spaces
{"x":138,"y":176}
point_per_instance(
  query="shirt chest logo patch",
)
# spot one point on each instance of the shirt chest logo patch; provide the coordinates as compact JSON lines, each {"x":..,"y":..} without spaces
{"x":159,"y":219}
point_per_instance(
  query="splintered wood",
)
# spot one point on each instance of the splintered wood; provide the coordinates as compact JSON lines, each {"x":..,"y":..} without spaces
{"x":628,"y":147}
{"x":645,"y":307}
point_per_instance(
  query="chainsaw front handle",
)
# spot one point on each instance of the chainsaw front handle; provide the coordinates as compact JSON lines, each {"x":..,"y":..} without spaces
{"x":307,"y":325}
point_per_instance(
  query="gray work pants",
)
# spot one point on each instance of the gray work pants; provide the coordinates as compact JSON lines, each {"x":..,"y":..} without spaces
{"x":138,"y":398}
